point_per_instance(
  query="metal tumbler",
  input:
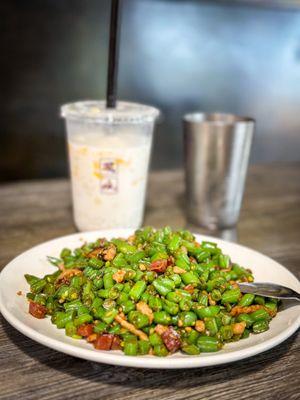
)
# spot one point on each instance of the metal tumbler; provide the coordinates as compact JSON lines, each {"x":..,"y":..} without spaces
{"x":217,"y":148}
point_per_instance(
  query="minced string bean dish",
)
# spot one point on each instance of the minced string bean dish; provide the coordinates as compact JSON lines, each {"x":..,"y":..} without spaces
{"x":156,"y":292}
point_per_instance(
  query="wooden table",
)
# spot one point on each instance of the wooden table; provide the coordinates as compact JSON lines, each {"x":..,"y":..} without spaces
{"x":32,"y":212}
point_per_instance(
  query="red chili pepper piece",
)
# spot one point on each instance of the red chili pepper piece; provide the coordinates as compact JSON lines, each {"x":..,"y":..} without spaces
{"x":171,"y":339}
{"x":37,"y":310}
{"x":116,"y":343}
{"x":104,"y":341}
{"x":85,"y":330}
{"x":159,"y":266}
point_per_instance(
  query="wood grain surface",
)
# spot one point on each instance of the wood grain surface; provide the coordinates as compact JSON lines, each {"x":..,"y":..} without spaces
{"x":32,"y":212}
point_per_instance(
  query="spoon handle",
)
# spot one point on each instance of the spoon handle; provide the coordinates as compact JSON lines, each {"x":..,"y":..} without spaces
{"x":269,"y":290}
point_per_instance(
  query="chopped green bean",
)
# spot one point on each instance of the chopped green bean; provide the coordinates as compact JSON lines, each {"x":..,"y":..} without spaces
{"x":191,"y":349}
{"x":208,"y":344}
{"x":260,"y":326}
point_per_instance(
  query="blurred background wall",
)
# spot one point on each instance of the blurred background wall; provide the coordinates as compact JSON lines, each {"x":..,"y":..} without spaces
{"x":181,"y":55}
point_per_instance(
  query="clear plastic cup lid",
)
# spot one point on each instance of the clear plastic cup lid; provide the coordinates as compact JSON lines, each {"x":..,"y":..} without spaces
{"x":96,"y":112}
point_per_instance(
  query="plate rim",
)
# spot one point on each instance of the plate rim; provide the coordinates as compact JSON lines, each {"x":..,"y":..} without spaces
{"x":142,"y":361}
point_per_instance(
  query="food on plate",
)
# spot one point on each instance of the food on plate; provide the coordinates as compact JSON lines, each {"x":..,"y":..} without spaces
{"x":156,"y":292}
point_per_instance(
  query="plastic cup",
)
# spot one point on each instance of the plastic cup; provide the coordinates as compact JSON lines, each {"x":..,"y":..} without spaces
{"x":109,"y":151}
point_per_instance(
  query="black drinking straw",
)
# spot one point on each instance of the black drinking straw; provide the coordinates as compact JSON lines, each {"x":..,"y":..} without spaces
{"x":113,"y":55}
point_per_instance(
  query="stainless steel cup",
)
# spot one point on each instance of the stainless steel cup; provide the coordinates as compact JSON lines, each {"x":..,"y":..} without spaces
{"x":217,"y":148}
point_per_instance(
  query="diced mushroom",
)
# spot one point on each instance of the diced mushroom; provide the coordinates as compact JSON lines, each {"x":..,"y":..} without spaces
{"x":119,"y":275}
{"x":238,"y":328}
{"x":178,"y":270}
{"x":96,"y":253}
{"x":200,"y":326}
{"x":67,"y":274}
{"x":109,"y":253}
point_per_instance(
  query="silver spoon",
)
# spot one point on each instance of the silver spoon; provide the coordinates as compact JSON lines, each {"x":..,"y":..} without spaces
{"x":269,"y":290}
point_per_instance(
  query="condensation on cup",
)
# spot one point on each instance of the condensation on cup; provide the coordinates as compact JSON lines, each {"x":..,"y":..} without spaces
{"x":109,"y":152}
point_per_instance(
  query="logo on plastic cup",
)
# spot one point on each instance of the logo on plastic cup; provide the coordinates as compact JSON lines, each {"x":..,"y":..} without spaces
{"x":109,"y":173}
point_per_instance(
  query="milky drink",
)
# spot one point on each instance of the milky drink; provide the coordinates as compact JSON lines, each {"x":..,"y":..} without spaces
{"x":108,"y":180}
{"x":109,"y":166}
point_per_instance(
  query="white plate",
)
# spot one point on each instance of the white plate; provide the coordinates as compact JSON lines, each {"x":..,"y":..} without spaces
{"x":15,"y":308}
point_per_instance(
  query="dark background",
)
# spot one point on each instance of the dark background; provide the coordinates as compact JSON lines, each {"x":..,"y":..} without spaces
{"x":239,"y":56}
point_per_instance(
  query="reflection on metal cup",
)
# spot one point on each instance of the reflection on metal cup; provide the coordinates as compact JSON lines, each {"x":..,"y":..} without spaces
{"x":217,"y":148}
